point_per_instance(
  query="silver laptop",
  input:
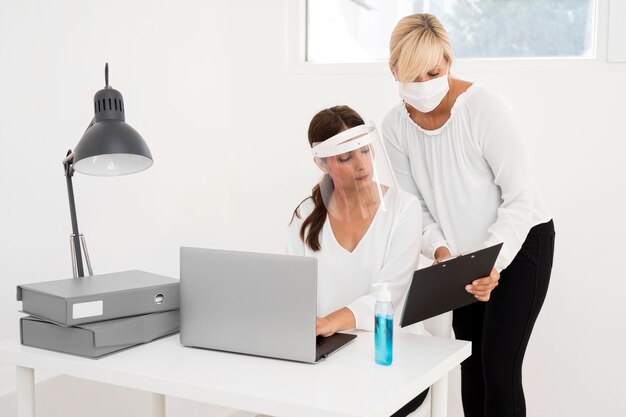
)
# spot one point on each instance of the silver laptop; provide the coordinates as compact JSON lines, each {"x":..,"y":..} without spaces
{"x":252,"y":303}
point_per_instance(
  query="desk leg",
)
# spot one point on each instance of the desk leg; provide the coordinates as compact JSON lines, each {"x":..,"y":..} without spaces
{"x":158,"y":405}
{"x":25,"y":379}
{"x":439,"y":398}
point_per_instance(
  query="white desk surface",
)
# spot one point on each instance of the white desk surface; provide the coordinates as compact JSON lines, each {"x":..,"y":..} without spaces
{"x":348,"y":383}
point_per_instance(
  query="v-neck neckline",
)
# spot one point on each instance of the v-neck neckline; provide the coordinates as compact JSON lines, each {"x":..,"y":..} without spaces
{"x":358,"y":245}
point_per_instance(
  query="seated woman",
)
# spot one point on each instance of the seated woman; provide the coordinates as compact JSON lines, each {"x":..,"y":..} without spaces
{"x":359,"y":225}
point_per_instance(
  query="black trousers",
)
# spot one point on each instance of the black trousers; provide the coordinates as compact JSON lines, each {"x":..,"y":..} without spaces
{"x":491,"y":378}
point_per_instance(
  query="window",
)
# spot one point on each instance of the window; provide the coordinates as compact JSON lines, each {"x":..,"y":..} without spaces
{"x":348,"y":31}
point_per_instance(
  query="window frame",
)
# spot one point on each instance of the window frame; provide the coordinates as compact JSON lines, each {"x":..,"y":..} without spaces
{"x":610,"y":53}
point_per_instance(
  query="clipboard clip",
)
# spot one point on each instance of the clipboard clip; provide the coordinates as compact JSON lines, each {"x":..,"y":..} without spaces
{"x":471,"y":254}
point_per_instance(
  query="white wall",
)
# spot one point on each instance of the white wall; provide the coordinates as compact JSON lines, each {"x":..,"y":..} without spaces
{"x":205,"y":84}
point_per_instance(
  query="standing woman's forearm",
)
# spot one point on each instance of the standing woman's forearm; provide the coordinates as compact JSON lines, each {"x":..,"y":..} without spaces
{"x":506,"y":152}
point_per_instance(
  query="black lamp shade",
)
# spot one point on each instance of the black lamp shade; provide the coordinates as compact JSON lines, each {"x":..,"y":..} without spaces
{"x":111,"y":147}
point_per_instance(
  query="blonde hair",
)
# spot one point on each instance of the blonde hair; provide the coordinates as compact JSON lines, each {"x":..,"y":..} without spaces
{"x":417,"y":44}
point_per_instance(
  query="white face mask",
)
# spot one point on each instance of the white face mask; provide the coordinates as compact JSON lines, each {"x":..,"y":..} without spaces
{"x":426,"y":95}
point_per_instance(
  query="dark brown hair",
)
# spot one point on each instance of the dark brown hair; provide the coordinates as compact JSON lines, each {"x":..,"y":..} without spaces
{"x":324,"y":125}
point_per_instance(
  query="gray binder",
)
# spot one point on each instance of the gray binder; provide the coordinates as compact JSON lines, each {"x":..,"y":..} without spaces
{"x":97,"y":339}
{"x":74,"y":301}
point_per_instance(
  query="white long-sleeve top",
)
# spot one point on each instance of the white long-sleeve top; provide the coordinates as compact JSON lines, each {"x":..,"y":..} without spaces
{"x":388,"y":252}
{"x":472,"y":175}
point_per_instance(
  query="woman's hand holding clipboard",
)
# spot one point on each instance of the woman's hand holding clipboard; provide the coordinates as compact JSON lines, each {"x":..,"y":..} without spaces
{"x":481,"y":288}
{"x":451,"y":283}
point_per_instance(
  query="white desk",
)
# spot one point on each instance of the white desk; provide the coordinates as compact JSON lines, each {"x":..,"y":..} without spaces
{"x":348,"y":383}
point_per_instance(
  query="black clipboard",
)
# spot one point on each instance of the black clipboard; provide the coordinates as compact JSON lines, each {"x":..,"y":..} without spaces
{"x":441,"y":287}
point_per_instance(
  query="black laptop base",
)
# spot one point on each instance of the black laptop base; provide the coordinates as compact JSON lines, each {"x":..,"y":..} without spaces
{"x":327,"y":345}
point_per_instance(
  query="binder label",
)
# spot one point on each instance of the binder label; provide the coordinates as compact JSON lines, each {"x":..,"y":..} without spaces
{"x":89,"y":309}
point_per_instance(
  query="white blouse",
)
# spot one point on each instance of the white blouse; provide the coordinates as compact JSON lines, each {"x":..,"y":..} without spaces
{"x":389,"y":251}
{"x":472,"y":175}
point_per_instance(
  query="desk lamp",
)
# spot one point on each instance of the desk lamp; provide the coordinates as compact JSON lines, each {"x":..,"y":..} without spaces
{"x":109,"y":147}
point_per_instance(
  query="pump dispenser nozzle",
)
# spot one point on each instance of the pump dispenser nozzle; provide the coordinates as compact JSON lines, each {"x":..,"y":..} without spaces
{"x":383,"y":294}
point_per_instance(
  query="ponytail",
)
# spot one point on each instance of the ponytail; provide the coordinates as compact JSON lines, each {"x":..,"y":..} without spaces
{"x":315,"y":221}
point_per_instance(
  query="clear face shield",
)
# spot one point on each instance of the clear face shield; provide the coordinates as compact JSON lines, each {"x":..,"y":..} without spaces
{"x":357,"y":173}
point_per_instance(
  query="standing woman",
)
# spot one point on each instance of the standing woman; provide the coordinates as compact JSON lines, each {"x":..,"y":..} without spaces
{"x":458,"y":147}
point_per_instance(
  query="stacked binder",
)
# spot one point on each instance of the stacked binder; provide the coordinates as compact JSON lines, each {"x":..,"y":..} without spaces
{"x":99,"y":315}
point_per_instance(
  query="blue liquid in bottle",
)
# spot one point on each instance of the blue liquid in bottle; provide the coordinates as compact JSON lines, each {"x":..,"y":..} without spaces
{"x":383,"y":335}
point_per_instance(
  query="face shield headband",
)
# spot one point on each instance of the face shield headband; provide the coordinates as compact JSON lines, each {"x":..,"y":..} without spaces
{"x":358,"y":137}
{"x":346,"y":141}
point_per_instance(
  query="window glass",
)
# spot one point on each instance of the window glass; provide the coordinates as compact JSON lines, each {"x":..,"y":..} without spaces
{"x":359,"y":30}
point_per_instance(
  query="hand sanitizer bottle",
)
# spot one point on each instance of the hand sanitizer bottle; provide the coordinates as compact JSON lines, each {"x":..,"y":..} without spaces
{"x":383,"y":329}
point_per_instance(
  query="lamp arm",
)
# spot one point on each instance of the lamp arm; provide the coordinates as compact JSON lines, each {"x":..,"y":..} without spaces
{"x":69,"y":172}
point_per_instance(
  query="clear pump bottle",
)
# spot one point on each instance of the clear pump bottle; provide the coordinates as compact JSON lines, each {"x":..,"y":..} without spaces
{"x":383,"y":329}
